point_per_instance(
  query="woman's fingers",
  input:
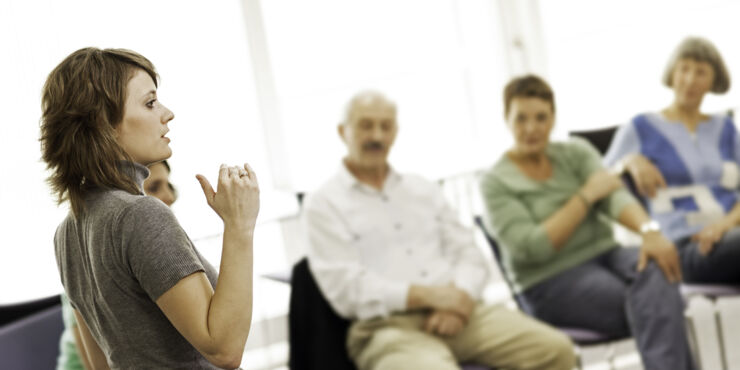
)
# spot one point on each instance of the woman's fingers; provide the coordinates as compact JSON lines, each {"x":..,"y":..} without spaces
{"x":647,"y":177}
{"x":642,"y":184}
{"x":445,"y":327}
{"x":223,"y":174}
{"x":432,"y":322}
{"x":250,"y":172}
{"x":207,"y":189}
{"x":660,"y":180}
{"x":667,"y":270}
{"x":642,"y":262}
{"x":705,"y":246}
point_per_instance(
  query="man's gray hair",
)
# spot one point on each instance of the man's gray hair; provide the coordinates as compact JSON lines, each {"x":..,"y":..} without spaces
{"x":701,"y":50}
{"x":365,"y":97}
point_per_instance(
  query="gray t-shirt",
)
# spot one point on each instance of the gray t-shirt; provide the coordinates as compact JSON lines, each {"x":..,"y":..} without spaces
{"x":115,"y":261}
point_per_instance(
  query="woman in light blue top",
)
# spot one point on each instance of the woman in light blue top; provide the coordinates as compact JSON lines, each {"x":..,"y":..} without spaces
{"x":685,"y":165}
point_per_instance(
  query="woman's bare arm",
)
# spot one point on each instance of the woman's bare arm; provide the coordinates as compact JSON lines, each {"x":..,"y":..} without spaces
{"x":217,"y":323}
{"x":91,"y":354}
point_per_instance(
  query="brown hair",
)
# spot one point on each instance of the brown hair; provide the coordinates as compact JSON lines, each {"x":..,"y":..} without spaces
{"x":529,"y":86}
{"x":700,"y":50}
{"x":82,"y":102}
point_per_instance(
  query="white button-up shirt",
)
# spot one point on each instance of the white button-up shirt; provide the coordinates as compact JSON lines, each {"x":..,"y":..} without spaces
{"x":366,"y":247}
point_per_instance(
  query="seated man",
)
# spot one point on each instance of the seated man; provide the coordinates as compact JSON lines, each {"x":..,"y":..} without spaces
{"x":388,"y":253}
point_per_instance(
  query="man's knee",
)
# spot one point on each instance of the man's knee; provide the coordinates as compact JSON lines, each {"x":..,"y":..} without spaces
{"x":557,"y":351}
{"x":405,"y":361}
{"x":393,"y":348}
{"x":387,"y":339}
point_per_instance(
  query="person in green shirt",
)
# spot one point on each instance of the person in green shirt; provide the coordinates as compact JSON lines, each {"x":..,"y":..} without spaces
{"x":550,"y":205}
{"x":156,"y":185}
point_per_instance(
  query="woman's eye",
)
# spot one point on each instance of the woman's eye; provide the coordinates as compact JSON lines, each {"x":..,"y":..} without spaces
{"x":150,"y":103}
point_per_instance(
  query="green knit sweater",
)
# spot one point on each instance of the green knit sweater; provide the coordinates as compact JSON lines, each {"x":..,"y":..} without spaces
{"x":517,"y":207}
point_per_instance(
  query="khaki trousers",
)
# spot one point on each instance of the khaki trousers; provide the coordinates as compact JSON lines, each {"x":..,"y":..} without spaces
{"x":494,"y":336}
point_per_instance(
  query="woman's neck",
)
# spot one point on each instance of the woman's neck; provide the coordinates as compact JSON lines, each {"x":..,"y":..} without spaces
{"x":529,"y":159}
{"x":536,"y":166}
{"x":689,"y":116}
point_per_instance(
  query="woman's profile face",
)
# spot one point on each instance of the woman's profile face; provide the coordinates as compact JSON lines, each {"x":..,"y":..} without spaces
{"x":158,"y":184}
{"x":530,"y":119}
{"x":691,"y":79}
{"x":142,"y":131}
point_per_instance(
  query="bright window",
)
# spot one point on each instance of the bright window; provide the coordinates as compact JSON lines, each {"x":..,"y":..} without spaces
{"x":436,"y":58}
{"x":201,"y":53}
{"x":606,"y":58}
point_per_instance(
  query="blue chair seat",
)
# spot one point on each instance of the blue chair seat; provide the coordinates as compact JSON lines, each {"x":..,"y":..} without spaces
{"x":586,"y":337}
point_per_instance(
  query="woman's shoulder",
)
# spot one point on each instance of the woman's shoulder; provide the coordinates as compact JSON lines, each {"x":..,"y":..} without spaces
{"x":501,"y":167}
{"x":122,"y":207}
{"x":146,"y":206}
{"x":573,"y":146}
{"x":503,"y":176}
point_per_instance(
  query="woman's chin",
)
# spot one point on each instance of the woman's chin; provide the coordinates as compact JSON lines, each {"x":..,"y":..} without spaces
{"x":531,"y":150}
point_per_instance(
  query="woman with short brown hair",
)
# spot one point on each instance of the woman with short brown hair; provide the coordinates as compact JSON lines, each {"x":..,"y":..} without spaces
{"x":143,"y":295}
{"x":551,"y":205}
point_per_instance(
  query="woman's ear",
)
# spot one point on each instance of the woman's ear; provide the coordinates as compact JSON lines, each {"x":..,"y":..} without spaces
{"x":340,"y":130}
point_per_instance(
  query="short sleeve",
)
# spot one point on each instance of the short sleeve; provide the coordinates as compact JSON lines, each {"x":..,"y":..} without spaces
{"x":155,"y":248}
{"x":626,"y":141}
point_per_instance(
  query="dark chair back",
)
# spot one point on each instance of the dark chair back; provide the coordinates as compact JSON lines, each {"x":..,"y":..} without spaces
{"x":496,"y":249}
{"x":601,"y":138}
{"x":32,"y":342}
{"x":17,"y":311}
{"x":317,"y":335}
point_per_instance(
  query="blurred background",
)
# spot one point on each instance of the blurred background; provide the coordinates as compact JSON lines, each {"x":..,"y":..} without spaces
{"x":266,"y":81}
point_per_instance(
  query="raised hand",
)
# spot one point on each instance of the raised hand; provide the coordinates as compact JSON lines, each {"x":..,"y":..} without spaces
{"x":236,"y":199}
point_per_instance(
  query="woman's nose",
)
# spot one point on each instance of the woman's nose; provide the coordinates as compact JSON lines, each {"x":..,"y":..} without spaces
{"x":167,"y":116}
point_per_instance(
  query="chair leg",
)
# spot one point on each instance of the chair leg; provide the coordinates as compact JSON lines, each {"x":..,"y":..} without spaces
{"x":579,"y":358}
{"x":610,"y":353}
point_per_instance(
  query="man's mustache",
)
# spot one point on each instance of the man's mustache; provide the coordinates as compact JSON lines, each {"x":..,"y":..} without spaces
{"x":373,"y":145}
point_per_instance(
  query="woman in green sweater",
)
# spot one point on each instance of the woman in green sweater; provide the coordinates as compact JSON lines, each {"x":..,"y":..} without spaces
{"x":550,"y":205}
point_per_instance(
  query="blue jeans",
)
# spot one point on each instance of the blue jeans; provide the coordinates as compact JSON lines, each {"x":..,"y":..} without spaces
{"x":721,"y":265}
{"x":607,"y":294}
